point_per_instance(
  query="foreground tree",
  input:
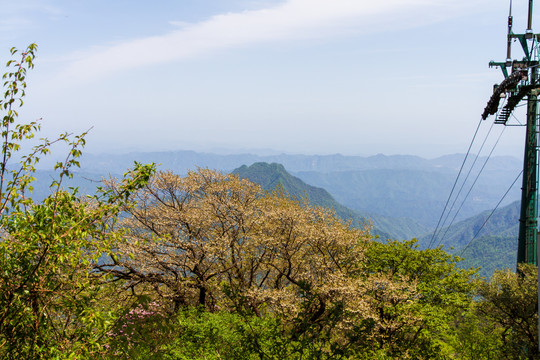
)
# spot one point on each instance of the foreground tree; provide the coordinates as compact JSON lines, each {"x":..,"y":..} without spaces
{"x":212,"y":239}
{"x":510,"y":303}
{"x":216,"y":241}
{"x":48,"y":295}
{"x":416,"y":305}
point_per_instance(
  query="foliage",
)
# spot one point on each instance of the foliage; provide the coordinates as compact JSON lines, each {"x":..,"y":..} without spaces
{"x":503,"y":321}
{"x":475,"y":337}
{"x":216,"y":241}
{"x":140,"y":332}
{"x":194,"y":333}
{"x":49,"y":297}
{"x":510,"y":302}
{"x":414,"y":295}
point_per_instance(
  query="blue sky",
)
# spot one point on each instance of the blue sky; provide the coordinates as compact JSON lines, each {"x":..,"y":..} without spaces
{"x":298,"y":76}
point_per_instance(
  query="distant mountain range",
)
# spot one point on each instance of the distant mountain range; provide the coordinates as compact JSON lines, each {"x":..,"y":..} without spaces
{"x":181,"y":161}
{"x":418,"y":194}
{"x":399,"y":186}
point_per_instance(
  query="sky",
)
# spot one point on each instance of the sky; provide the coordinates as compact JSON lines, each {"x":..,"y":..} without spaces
{"x":354,"y":77}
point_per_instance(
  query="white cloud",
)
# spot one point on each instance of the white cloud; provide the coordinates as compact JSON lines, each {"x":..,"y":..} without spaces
{"x":22,"y":15}
{"x":20,"y":12}
{"x":291,"y":20}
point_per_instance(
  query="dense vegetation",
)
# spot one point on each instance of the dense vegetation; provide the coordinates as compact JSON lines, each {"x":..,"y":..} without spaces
{"x":211,"y":266}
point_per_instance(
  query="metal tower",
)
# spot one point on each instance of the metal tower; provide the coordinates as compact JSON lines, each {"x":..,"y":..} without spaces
{"x":522,"y":82}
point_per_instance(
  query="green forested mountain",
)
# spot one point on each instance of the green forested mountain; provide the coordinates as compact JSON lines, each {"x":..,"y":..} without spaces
{"x":503,"y":222}
{"x":491,"y":246}
{"x":269,"y":176}
{"x":490,"y":253}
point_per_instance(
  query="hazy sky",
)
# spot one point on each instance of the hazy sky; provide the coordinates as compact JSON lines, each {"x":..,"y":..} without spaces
{"x":298,"y":76}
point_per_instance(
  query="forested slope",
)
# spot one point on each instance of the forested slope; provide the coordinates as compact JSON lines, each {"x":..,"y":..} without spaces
{"x":270,"y":176}
{"x":487,"y":240}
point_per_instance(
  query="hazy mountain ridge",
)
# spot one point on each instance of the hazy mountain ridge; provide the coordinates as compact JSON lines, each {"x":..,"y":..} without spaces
{"x":85,"y":182}
{"x":495,"y":246}
{"x":418,"y":194}
{"x":271,"y":175}
{"x":181,"y":161}
{"x":397,"y":186}
{"x":504,"y":222}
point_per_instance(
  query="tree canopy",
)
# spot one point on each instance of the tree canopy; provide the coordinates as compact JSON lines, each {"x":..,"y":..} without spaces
{"x":210,"y":266}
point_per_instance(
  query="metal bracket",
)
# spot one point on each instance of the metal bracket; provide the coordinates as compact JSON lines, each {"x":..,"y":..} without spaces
{"x":501,"y":65}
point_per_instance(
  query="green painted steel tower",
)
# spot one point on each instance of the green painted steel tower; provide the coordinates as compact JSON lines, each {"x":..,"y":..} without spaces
{"x":521,"y":82}
{"x":528,"y":222}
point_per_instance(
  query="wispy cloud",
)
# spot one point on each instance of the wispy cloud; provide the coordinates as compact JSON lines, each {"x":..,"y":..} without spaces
{"x":17,"y":15}
{"x":291,"y":20}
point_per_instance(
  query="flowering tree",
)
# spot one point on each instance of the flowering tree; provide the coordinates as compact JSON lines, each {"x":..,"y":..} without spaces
{"x":212,"y":239}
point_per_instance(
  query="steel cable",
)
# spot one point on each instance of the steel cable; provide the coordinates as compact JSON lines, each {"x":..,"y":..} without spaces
{"x":472,"y":186}
{"x":464,"y":182}
{"x":491,"y":214}
{"x":454,"y":186}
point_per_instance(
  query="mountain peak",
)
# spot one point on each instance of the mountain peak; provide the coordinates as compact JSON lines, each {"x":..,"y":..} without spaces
{"x":269,"y":176}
